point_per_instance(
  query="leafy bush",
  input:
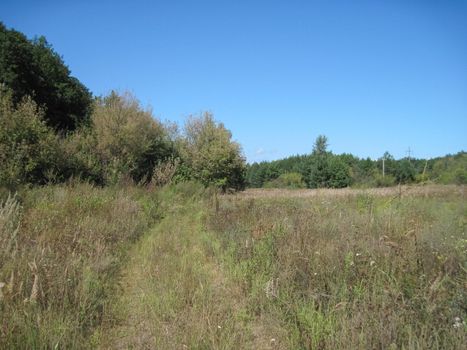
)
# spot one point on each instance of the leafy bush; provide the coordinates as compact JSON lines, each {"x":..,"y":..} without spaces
{"x":209,"y":154}
{"x":29,"y":150}
{"x":384,"y":181}
{"x":287,"y":180}
{"x":124,"y":141}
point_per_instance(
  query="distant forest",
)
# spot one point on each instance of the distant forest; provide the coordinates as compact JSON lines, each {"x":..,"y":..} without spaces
{"x":321,"y":169}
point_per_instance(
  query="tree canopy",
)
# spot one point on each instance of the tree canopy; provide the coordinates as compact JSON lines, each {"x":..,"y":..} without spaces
{"x":32,"y":68}
{"x":210,"y":154}
{"x":321,"y":168}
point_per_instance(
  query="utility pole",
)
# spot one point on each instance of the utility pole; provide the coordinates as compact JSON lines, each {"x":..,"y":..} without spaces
{"x":408,"y":154}
{"x":384,"y":157}
{"x":424,"y":168}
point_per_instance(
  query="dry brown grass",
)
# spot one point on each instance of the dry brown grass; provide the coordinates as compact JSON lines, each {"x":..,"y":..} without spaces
{"x":60,"y":254}
{"x":328,"y":269}
{"x":175,"y":293}
{"x":403,"y":191}
{"x":351,"y":268}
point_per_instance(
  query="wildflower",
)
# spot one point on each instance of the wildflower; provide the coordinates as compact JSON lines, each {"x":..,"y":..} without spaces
{"x":457,"y":322}
{"x":372,"y":262}
{"x":358,"y":254}
{"x":2,"y":284}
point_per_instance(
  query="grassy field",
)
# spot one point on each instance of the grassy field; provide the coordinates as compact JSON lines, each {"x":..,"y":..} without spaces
{"x":350,"y":269}
{"x":183,"y":268}
{"x":61,"y":249}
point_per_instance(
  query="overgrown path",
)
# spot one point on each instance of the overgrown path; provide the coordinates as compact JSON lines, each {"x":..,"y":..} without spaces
{"x":174,"y":292}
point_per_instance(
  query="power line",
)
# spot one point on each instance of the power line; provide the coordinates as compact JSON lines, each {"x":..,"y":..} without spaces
{"x":409,"y":152}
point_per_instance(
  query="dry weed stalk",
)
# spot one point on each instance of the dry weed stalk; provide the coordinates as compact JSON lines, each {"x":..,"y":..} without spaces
{"x":9,"y":224}
{"x":11,"y":285}
{"x":2,"y":284}
{"x":35,"y":289}
{"x":35,"y":285}
{"x":164,"y":172}
{"x":272,"y":288}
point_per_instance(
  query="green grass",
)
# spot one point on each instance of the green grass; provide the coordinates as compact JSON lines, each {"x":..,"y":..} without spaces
{"x":60,"y":267}
{"x":182,"y":268}
{"x":173,"y":289}
{"x":354,"y":272}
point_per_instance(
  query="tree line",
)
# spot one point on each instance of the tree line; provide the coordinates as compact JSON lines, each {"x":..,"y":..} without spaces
{"x":321,"y":168}
{"x":53,"y":129}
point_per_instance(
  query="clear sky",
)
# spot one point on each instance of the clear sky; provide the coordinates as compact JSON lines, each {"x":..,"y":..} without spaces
{"x":370,"y":75}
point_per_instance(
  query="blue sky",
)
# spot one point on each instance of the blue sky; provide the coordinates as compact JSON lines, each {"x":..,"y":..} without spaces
{"x":370,"y":75}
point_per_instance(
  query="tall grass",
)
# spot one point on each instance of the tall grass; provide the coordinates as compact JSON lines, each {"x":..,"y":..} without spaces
{"x":61,"y":250}
{"x":359,"y":271}
{"x":184,"y":268}
{"x":174,"y":294}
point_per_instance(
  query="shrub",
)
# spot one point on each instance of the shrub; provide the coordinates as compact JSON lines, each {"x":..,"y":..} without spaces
{"x":123,"y":142}
{"x":29,"y":150}
{"x":287,"y":180}
{"x":210,"y":156}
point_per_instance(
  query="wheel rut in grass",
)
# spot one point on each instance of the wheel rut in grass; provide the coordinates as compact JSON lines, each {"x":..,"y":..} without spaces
{"x":174,"y":292}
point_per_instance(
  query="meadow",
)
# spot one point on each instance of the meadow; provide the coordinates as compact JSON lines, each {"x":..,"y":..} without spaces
{"x":349,"y":269}
{"x":184,"y":267}
{"x":123,"y":230}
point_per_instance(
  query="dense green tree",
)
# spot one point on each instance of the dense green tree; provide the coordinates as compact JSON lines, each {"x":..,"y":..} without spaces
{"x":258,"y":174}
{"x":362,"y":171}
{"x":123,"y":141}
{"x":286,"y":180}
{"x":318,"y":168}
{"x":338,"y":172}
{"x":405,"y":171}
{"x":29,"y":150}
{"x":32,"y":68}
{"x":210,"y":155}
{"x":320,"y":146}
{"x":449,"y":169}
{"x":347,"y":170}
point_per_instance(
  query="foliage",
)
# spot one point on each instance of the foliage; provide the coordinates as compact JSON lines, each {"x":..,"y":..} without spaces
{"x":339,"y":173}
{"x":29,"y":150}
{"x":320,"y":146}
{"x":210,"y":156}
{"x":450,"y":169}
{"x":286,"y":180}
{"x":124,"y":141}
{"x":32,"y":68}
{"x":321,"y":169}
{"x":164,"y":172}
{"x":405,"y":171}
